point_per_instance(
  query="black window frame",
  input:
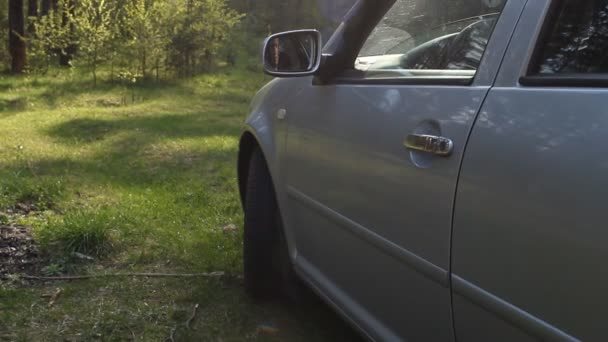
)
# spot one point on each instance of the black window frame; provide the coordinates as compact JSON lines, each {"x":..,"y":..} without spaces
{"x":535,"y":79}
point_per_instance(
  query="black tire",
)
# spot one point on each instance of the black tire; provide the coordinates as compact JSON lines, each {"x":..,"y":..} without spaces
{"x":260,"y":238}
{"x":268,"y":272}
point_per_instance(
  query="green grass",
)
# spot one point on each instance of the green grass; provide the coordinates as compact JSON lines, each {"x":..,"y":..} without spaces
{"x":142,"y":179}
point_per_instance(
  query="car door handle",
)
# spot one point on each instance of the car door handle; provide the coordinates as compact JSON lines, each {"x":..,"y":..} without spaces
{"x":429,"y":143}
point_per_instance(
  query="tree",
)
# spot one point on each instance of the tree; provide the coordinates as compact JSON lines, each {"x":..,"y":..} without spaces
{"x":32,"y":12}
{"x":66,"y":54}
{"x":5,"y":57}
{"x":200,"y":28}
{"x":16,"y":34}
{"x":51,"y":36}
{"x":146,"y":38}
{"x":93,"y":26}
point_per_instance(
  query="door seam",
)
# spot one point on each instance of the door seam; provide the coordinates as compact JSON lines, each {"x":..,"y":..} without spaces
{"x":464,"y":152}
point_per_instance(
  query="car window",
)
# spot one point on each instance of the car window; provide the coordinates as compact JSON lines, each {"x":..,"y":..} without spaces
{"x":431,"y":35}
{"x":577,"y":39}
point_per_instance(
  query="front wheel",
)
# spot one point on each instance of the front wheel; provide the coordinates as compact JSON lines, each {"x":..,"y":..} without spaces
{"x":268,"y":271}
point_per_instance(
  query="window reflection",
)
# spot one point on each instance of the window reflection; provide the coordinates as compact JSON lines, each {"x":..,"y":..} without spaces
{"x":578,"y":40}
{"x":431,"y":35}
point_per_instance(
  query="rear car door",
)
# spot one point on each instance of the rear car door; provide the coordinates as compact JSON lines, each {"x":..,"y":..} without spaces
{"x":530,"y":233}
{"x":372,"y":218}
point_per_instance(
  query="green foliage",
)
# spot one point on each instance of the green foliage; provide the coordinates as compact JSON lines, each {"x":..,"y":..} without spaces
{"x":52,"y":34}
{"x":93,"y":28}
{"x":138,"y":36}
{"x":199,"y":29}
{"x":146,"y":33}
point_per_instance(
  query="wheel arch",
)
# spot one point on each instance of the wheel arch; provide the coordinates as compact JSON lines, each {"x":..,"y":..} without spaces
{"x":247,"y":144}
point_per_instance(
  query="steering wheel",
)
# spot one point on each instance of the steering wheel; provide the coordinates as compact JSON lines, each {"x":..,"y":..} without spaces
{"x":467,"y":48}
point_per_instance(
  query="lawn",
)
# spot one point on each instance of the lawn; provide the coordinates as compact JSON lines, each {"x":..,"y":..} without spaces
{"x":141,"y":178}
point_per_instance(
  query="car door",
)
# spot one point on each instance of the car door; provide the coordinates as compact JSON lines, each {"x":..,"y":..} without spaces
{"x":372,"y":217}
{"x":530,"y":231}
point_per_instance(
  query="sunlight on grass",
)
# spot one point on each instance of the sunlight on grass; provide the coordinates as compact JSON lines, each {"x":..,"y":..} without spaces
{"x":143,"y":178}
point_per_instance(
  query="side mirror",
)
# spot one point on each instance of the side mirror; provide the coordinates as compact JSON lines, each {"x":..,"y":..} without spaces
{"x":293,"y":53}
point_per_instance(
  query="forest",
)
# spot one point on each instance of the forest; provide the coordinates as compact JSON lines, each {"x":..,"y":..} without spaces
{"x":147,"y":39}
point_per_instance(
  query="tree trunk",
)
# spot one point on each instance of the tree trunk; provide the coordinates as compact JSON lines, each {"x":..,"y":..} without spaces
{"x":112,"y":70}
{"x":32,"y":12}
{"x":94,"y":75}
{"x":65,"y":56}
{"x":143,"y":64}
{"x":45,"y":7}
{"x":16,"y":31}
{"x":157,"y":71}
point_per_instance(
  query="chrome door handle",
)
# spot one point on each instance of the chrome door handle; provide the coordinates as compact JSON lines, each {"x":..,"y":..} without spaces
{"x":429,"y":143}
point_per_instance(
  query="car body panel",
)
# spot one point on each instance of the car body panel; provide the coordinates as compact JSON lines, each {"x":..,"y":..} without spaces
{"x":363,"y":207}
{"x":269,"y":131}
{"x":529,"y":215}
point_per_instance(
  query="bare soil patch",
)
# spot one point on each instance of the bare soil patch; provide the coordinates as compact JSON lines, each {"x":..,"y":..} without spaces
{"x":18,"y":251}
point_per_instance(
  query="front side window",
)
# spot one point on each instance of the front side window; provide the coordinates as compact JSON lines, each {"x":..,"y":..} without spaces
{"x":577,"y":40}
{"x":439,"y":37}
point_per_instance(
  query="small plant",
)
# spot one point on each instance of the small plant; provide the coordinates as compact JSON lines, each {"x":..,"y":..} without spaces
{"x":88,"y":232}
{"x":129,"y":79}
{"x":53,"y":269}
{"x":4,"y":219}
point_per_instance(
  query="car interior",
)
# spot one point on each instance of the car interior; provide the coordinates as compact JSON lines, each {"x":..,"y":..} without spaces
{"x":454,"y":54}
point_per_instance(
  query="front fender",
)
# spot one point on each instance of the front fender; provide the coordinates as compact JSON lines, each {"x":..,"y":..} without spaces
{"x":261,"y":130}
{"x":266,"y":128}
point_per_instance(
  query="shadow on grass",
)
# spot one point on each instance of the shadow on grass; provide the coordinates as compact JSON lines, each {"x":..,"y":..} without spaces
{"x":140,"y":151}
{"x":83,"y":130}
{"x":14,"y":105}
{"x":73,"y":89}
{"x":65,"y":88}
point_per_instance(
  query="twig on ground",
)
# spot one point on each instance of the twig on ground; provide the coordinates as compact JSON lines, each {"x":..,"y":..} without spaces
{"x":171,"y":337}
{"x":146,"y":275}
{"x":192,"y":317}
{"x":54,"y":297}
{"x":186,"y":324}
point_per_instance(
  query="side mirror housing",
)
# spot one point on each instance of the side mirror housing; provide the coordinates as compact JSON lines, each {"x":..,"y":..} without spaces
{"x":293,"y":53}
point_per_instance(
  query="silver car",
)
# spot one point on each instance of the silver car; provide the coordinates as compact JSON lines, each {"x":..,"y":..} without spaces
{"x":437,"y":171}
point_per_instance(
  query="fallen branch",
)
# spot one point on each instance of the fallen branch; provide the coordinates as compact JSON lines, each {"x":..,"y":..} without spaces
{"x":145,"y":275}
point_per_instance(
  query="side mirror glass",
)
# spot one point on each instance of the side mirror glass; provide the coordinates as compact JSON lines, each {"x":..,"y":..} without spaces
{"x":293,"y":53}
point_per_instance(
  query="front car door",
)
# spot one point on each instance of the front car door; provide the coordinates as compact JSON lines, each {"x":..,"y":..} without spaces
{"x":530,"y":231}
{"x":372,"y":218}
